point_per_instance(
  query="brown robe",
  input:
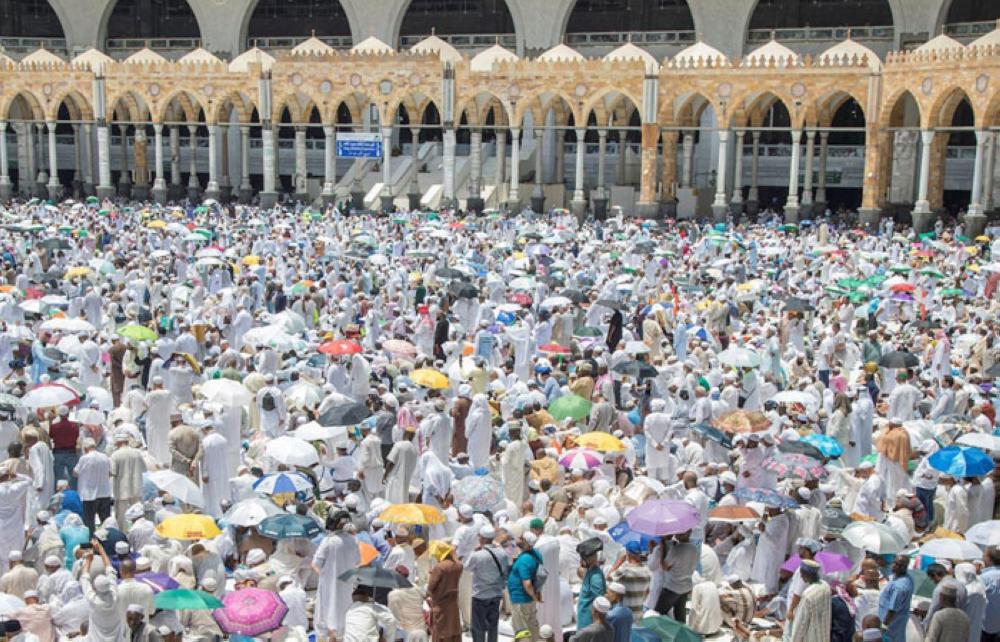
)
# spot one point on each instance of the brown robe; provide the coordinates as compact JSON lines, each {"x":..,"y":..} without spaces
{"x":459,"y":412}
{"x":442,"y":589}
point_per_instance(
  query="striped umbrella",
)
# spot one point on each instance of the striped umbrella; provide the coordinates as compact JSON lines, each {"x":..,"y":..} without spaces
{"x":580,"y":459}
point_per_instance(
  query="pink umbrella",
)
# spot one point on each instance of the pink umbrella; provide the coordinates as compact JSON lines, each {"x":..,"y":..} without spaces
{"x":830,"y":562}
{"x":250,"y":612}
{"x":662,"y":517}
{"x":580,"y":459}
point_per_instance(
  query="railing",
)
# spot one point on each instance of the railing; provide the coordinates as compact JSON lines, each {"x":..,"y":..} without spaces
{"x":27,"y":45}
{"x":275,"y":43}
{"x":130,"y":45}
{"x":598,"y":39}
{"x":464,"y":40}
{"x":970,"y":29}
{"x":821,"y":34}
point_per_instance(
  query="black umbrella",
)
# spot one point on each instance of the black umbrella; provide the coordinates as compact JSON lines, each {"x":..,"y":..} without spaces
{"x":376,"y":577}
{"x":925,"y":324}
{"x":637,"y":369}
{"x":54,"y":243}
{"x":576,"y":296}
{"x":645,"y":247}
{"x":834,"y":519}
{"x":449,"y":273}
{"x":899,"y":359}
{"x":608,"y":303}
{"x":534,"y":236}
{"x":346,"y":414}
{"x":713,"y":433}
{"x":797,"y":447}
{"x":463,"y":290}
{"x":795,"y":304}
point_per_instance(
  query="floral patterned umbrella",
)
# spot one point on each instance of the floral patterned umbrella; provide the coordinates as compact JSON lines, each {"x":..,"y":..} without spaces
{"x":764,"y":496}
{"x":793,"y":465}
{"x":482,"y":492}
{"x":250,"y":612}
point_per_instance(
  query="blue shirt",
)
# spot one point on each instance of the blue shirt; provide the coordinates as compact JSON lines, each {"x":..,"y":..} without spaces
{"x":896,"y":598}
{"x":991,"y":579}
{"x":525,"y":568}
{"x":619,"y":618}
{"x":593,"y":587}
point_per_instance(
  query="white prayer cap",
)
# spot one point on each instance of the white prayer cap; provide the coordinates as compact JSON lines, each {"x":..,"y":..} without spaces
{"x":134,"y":512}
{"x":866,"y":465}
{"x":530,"y":538}
{"x":600,"y":520}
{"x":157,"y":380}
{"x":805,"y":493}
{"x":545,"y":631}
{"x":351,"y":501}
{"x":209,"y":584}
{"x":89,"y":443}
{"x":617,"y":587}
{"x":602,"y":605}
{"x":464,"y":390}
{"x":256,"y":556}
{"x":728,"y":478}
{"x":871,"y":635}
{"x":63,"y":411}
{"x":136,"y":608}
{"x":102,"y":584}
{"x":586,"y":501}
{"x":896,"y":421}
{"x":53,"y":560}
{"x":15,"y":556}
{"x":534,"y":485}
{"x":30,"y":594}
{"x":487,"y":532}
{"x":465,"y":510}
{"x":121,"y":548}
{"x":43,"y":516}
{"x":142,"y":563}
{"x":657,"y":405}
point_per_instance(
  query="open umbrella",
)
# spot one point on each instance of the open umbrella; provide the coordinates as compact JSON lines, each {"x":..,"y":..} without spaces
{"x":280,"y":483}
{"x":959,"y":461}
{"x":429,"y":378}
{"x":185,"y":600}
{"x":287,"y":526}
{"x":829,"y":562}
{"x":346,"y":414}
{"x":291,"y":451}
{"x":188,"y":526}
{"x":667,"y":629}
{"x":742,"y":421}
{"x":602,"y":441}
{"x":662,"y":517}
{"x":250,"y":612}
{"x":412,"y":514}
{"x":49,"y":396}
{"x":10,"y":604}
{"x":716,"y":435}
{"x":250,"y":512}
{"x":136,"y":332}
{"x":825,"y":444}
{"x":637,"y":369}
{"x":739,"y":358}
{"x":67,"y":325}
{"x":182,"y":488}
{"x":794,"y":304}
{"x":481,"y":492}
{"x":874,"y":537}
{"x":159,"y":582}
{"x":985,"y":533}
{"x":765,"y":496}
{"x":226,"y":392}
{"x":951,"y":549}
{"x":899,"y":359}
{"x":980,"y":440}
{"x":570,"y":407}
{"x":733,"y":514}
{"x":375,"y":577}
{"x":312,"y":431}
{"x":580,"y":459}
{"x":400,"y":348}
{"x":340,"y":347}
{"x":794,"y":465}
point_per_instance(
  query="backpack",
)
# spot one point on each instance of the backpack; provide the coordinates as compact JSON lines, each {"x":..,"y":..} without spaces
{"x":267,"y":402}
{"x":541,"y":574}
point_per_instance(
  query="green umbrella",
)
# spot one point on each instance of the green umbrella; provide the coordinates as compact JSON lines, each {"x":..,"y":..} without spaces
{"x":203,"y":232}
{"x":137,"y":332}
{"x":92,"y":200}
{"x":669,"y":629}
{"x":569,"y":407}
{"x":104,"y":212}
{"x":952,"y":292}
{"x":932,"y":272}
{"x":587,"y":331}
{"x":900,"y":269}
{"x":186,"y":600}
{"x":789,"y":227}
{"x":851,"y":284}
{"x":922,"y":585}
{"x":927,"y":235}
{"x":835,"y":291}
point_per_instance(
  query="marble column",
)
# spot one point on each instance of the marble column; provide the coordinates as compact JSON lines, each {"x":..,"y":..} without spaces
{"x":448,"y":178}
{"x":579,"y":202}
{"x":414,"y":194}
{"x":212,"y":189}
{"x":225,"y":182}
{"x":5,"y":187}
{"x":620,"y":160}
{"x":989,"y":169}
{"x":687,"y":173}
{"x":125,"y":175}
{"x":753,"y":196}
{"x":246,"y":190}
{"x":514,"y":196}
{"x":720,"y":208}
{"x":387,"y":197}
{"x":819,"y":200}
{"x":159,"y":183}
{"x":329,"y":164}
{"x":267,"y":157}
{"x":736,"y":205}
{"x":500,"y":154}
{"x":43,"y":173}
{"x":475,"y":163}
{"x":26,"y":173}
{"x":175,"y":157}
{"x":976,"y":193}
{"x":54,"y":187}
{"x":140,"y":190}
{"x":301,"y":171}
{"x":538,"y":193}
{"x":792,"y":204}
{"x":559,"y":171}
{"x":77,"y":162}
{"x":194,"y":186}
{"x":807,"y":179}
{"x":104,"y":187}
{"x":88,"y":160}
{"x":923,"y":206}
{"x":601,"y":200}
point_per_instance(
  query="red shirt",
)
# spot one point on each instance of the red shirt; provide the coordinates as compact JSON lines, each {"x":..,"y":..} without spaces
{"x":64,"y":434}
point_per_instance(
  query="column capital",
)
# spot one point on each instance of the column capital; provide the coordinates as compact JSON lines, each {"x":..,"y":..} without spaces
{"x":756,"y":137}
{"x":51,"y":124}
{"x":723,"y":135}
{"x":927,"y":136}
{"x":740,"y":133}
{"x":796,"y":135}
{"x":515,"y":131}
{"x":158,"y":128}
{"x":810,"y":134}
{"x":580,"y":133}
{"x":982,"y":136}
{"x":602,"y":133}
{"x":823,"y":136}
{"x":192,"y":129}
{"x":245,"y":130}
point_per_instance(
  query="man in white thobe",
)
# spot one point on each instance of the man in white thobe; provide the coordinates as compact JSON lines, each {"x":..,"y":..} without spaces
{"x":904,"y":399}
{"x":14,"y":489}
{"x":956,"y":505}
{"x":370,"y":466}
{"x":91,"y":373}
{"x":660,"y":463}
{"x":871,"y":496}
{"x":127,"y":468}
{"x":337,"y":554}
{"x":41,"y":462}
{"x":272,"y":409}
{"x":367,"y":621}
{"x":771,"y":548}
{"x":479,"y":431}
{"x":159,"y":406}
{"x":547,"y":546}
{"x":214,"y":469}
{"x":435,"y":432}
{"x":513,"y":466}
{"x":401,"y":463}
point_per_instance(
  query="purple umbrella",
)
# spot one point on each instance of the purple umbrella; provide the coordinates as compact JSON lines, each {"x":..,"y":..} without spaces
{"x":663,"y":517}
{"x":830,"y":562}
{"x":157,"y":581}
{"x":904,"y":297}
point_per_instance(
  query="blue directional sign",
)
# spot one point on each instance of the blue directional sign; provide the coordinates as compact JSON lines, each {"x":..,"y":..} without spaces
{"x":363,"y":145}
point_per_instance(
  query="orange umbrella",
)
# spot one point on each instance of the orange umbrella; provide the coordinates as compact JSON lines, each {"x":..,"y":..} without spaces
{"x":741,"y":421}
{"x":733,"y":514}
{"x":368,"y":553}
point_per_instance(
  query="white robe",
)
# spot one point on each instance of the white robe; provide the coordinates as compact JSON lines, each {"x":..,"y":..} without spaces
{"x":215,"y":449}
{"x":369,"y":456}
{"x":479,"y":432}
{"x":771,"y":547}
{"x":549,"y":611}
{"x":660,"y":464}
{"x":404,"y":459}
{"x":159,"y":404}
{"x":337,"y":554}
{"x":12,"y":508}
{"x":956,"y":509}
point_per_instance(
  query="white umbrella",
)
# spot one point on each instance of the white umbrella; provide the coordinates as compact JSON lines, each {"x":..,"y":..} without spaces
{"x":523,"y":283}
{"x":273,"y":336}
{"x":985,"y":533}
{"x":100,"y":398}
{"x":251,"y":512}
{"x":209,"y":252}
{"x":182,"y":488}
{"x":951,"y":549}
{"x":74,"y":326}
{"x":980,"y":440}
{"x":312,"y":431}
{"x":226,"y":392}
{"x":71,"y":345}
{"x":20,"y":332}
{"x":556,"y":301}
{"x":291,"y":451}
{"x":795,"y":396}
{"x":9,"y":604}
{"x":636,"y":347}
{"x":89,"y":417}
{"x":870,"y":536}
{"x":48,"y":396}
{"x":739,"y":358}
{"x":292,"y":322}
{"x":303,"y":395}
{"x":33,"y":306}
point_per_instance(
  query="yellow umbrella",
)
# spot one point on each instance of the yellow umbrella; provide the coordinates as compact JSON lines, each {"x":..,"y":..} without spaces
{"x":982,"y":238}
{"x":412,"y":514}
{"x":602,"y":441}
{"x":251,"y":259}
{"x":79,"y":270}
{"x":188,"y":526}
{"x":429,"y":378}
{"x":157,"y":224}
{"x":971,"y":249}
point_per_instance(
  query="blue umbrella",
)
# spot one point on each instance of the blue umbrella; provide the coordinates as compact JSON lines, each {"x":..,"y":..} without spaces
{"x":825,"y":444}
{"x":286,"y":526}
{"x":622,"y":534}
{"x":960,"y":461}
{"x":278,"y":483}
{"x":765,"y":496}
{"x":716,"y":435}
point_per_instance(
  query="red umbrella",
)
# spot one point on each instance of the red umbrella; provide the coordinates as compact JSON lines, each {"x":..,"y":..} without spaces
{"x":340,"y":347}
{"x":520,"y":298}
{"x":250,"y":612}
{"x":903,"y":287}
{"x":553,"y":348}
